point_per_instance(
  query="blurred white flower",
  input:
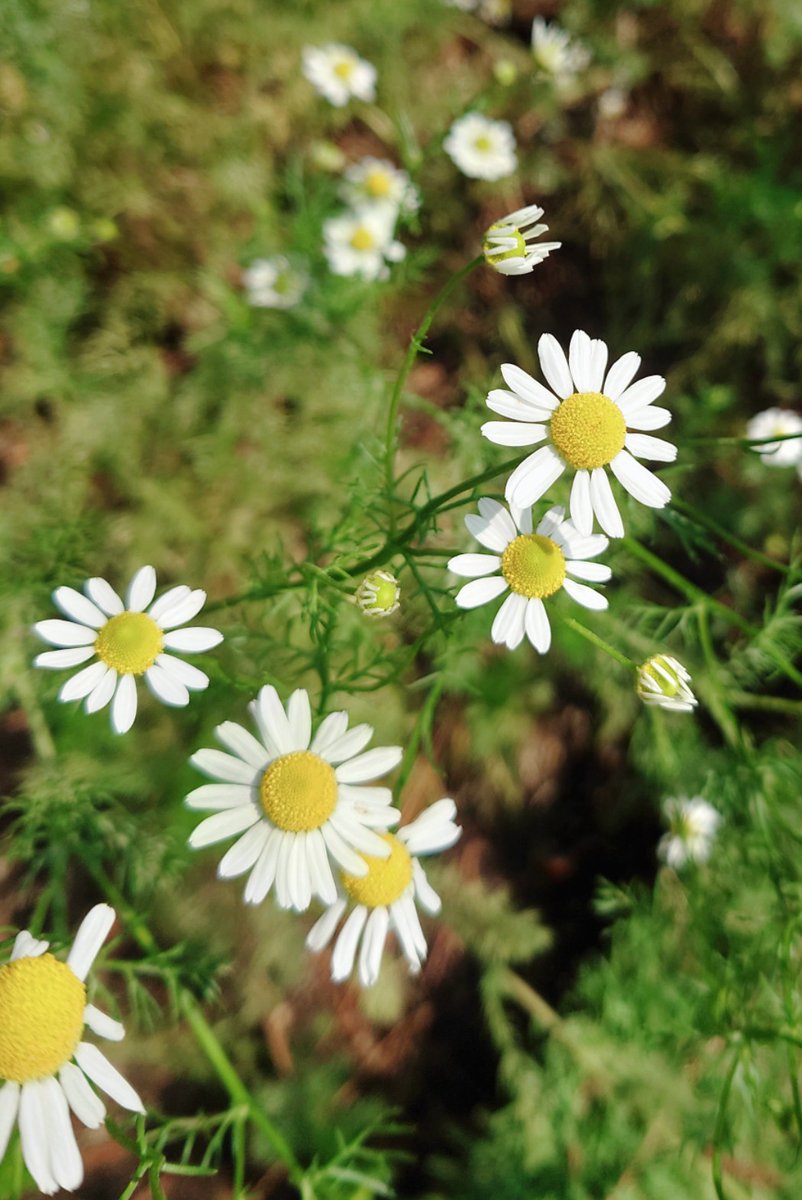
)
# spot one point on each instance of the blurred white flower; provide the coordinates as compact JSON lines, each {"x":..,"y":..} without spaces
{"x":274,"y":283}
{"x":337,"y":73}
{"x":510,"y":245}
{"x":481,"y":148}
{"x":663,"y":683}
{"x":555,"y":52}
{"x":692,"y":830}
{"x":376,"y":182}
{"x":612,"y":103}
{"x":362,"y":243}
{"x":777,"y":422}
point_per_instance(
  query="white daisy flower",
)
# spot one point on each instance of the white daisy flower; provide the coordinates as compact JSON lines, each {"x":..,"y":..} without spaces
{"x":510,"y":244}
{"x":663,"y":683}
{"x":273,"y":283}
{"x":590,"y":421}
{"x":361,"y":243}
{"x":337,"y":73}
{"x":386,"y":896}
{"x":127,"y":641}
{"x":377,"y":182}
{"x":777,"y":422}
{"x":531,"y":566}
{"x":481,"y":148}
{"x":45,"y":1067}
{"x":693,"y":825}
{"x":298,"y":800}
{"x":555,"y":52}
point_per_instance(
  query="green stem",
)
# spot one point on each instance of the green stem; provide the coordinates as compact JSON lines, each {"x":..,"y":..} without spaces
{"x":598,"y":642}
{"x":718,"y":1131}
{"x":776,"y":704}
{"x":726,"y":721}
{"x":41,"y":736}
{"x":715,"y":527}
{"x":686,"y":588}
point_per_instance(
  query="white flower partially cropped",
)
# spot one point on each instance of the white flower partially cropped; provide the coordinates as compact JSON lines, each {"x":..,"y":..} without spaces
{"x":555,"y":52}
{"x":298,"y":801}
{"x":376,"y":182}
{"x":362,"y":243}
{"x":481,"y":148}
{"x":273,"y":283}
{"x":386,"y":898}
{"x":510,"y":245}
{"x":590,"y":421}
{"x":693,"y":825}
{"x":777,"y":422}
{"x":127,"y":641}
{"x":531,"y":566}
{"x":45,"y":1067}
{"x":337,"y":73}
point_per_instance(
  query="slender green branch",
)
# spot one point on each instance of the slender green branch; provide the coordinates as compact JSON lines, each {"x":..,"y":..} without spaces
{"x":598,"y":642}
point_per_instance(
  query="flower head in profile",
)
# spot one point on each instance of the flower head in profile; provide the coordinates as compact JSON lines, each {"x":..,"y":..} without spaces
{"x":293,"y":800}
{"x":692,"y":831}
{"x":46,"y":1068}
{"x":664,"y":683}
{"x":530,"y":566}
{"x":589,"y":421}
{"x":777,"y":422}
{"x":362,"y":243}
{"x":385,"y":898}
{"x":379,"y":594}
{"x":555,"y":52}
{"x":337,"y":73}
{"x":273,"y":283}
{"x":510,"y":245}
{"x":481,"y":148}
{"x":126,"y":640}
{"x":376,"y":182}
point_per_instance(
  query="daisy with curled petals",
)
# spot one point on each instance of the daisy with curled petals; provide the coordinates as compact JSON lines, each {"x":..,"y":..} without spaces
{"x":297,"y":800}
{"x":510,"y":245}
{"x":126,"y":641}
{"x":531,"y":567}
{"x":590,"y":421}
{"x":386,"y":897}
{"x":45,"y":1067}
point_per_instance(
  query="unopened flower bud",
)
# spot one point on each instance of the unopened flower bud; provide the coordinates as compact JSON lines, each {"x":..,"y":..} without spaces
{"x":379,"y":594}
{"x":662,"y":681}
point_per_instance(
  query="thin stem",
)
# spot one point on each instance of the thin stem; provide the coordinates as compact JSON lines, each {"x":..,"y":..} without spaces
{"x":718,"y":1131}
{"x":598,"y":642}
{"x":715,"y":527}
{"x":686,"y":588}
{"x":41,"y":736}
{"x":724,"y":718}
{"x":776,"y":704}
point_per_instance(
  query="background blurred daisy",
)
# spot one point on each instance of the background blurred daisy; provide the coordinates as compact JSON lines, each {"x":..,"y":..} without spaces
{"x":777,"y":422}
{"x":337,"y":73}
{"x":481,"y":148}
{"x":274,"y":283}
{"x":377,"y":182}
{"x":693,"y":826}
{"x":555,"y":52}
{"x":362,"y":243}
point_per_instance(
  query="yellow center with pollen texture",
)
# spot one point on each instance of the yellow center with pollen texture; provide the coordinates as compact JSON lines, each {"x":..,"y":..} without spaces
{"x":387,"y":878}
{"x":344,"y":69}
{"x":588,"y":430}
{"x":130,"y":643}
{"x":493,"y":254}
{"x":298,"y":792}
{"x":533,"y":565}
{"x":378,"y":184}
{"x":362,"y":239}
{"x":482,"y":143}
{"x":41,"y":1017}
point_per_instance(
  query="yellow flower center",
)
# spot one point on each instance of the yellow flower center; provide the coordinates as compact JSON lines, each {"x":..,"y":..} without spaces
{"x":482,"y":143}
{"x":298,"y":792}
{"x":588,"y":430}
{"x":41,"y":1017}
{"x":387,"y":878}
{"x":491,"y":252}
{"x":130,"y":643}
{"x":362,"y":239}
{"x":344,"y":69}
{"x":533,"y":565}
{"x":378,"y":184}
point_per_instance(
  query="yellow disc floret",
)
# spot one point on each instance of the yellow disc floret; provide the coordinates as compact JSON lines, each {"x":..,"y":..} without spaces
{"x":378,"y":183}
{"x":490,"y":245}
{"x":298,"y":792}
{"x":363,"y":239}
{"x":387,"y":878}
{"x":41,"y":1017}
{"x":130,"y":643}
{"x":533,"y":565}
{"x":588,"y":430}
{"x":344,"y":69}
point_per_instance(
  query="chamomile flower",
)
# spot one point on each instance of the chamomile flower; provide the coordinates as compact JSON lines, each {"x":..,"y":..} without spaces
{"x":337,"y":73}
{"x":692,"y":831}
{"x":45,"y":1066}
{"x":664,"y":683}
{"x":273,"y":283}
{"x":510,"y":245}
{"x":362,"y":243}
{"x":297,"y":800}
{"x":590,"y":421}
{"x":481,"y":148}
{"x":531,"y":567}
{"x":555,"y":52}
{"x":377,"y":182}
{"x":379,"y":594}
{"x":385,"y":897}
{"x":777,"y":422}
{"x":126,"y":641}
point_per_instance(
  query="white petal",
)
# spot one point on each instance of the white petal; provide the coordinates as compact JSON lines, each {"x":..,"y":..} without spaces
{"x":480,"y":591}
{"x":102,"y":1024}
{"x":538,"y":629}
{"x":342,"y":959}
{"x":103,"y":692}
{"x":243,"y":744}
{"x":323,"y":929}
{"x":195,"y":640}
{"x":472,"y":566}
{"x":300,"y":886}
{"x":551,"y":522}
{"x":299,"y":716}
{"x":349,"y":744}
{"x":357,"y":835}
{"x":330,"y":729}
{"x":604,"y":505}
{"x":225,"y":767}
{"x":166,"y":688}
{"x":639,"y":481}
{"x":554,"y":365}
{"x":426,"y":895}
{"x":123,"y":706}
{"x":433,"y":831}
{"x":643,"y":446}
{"x":243,"y":855}
{"x":222,"y":825}
{"x":58,"y":659}
{"x":621,"y":374}
{"x":585,"y":596}
{"x":33,"y":1127}
{"x":65,"y":1159}
{"x":26,"y":946}
{"x":585,"y":547}
{"x":405,"y":930}
{"x":83,"y":683}
{"x":342,"y":853}
{"x":172,"y":597}
{"x":275,"y":720}
{"x":508,"y":625}
{"x":283,"y":894}
{"x":522,"y":518}
{"x":263,"y":874}
{"x":215,"y":796}
{"x":581,"y":507}
{"x":78,"y":608}
{"x":649,"y":417}
{"x":183,"y":672}
{"x":64,"y":633}
{"x":580,"y":354}
{"x":641,"y":393}
{"x":371,"y":765}
{"x":95,"y":1064}
{"x":370,"y":954}
{"x":513,"y":433}
{"x":84,"y":1102}
{"x":507,"y":404}
{"x":141,"y":589}
{"x":104,"y":596}
{"x":591,"y":571}
{"x":532,"y":478}
{"x":186,"y":609}
{"x":91,"y":935}
{"x":365,"y":795}
{"x":9,"y":1107}
{"x":527,"y":387}
{"x":493,"y":527}
{"x":323,"y":884}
